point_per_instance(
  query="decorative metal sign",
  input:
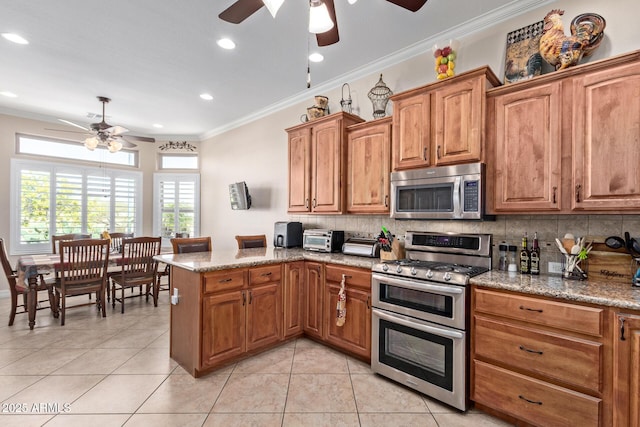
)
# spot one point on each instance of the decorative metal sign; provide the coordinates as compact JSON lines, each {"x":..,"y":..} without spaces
{"x":177,"y":145}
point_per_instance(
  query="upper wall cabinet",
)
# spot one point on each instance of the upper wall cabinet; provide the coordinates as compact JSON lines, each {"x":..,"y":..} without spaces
{"x":568,"y":141}
{"x":441,"y":123}
{"x":369,"y":167}
{"x":317,"y":164}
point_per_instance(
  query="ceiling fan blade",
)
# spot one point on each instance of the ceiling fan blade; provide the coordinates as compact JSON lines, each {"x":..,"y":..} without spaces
{"x":240,"y":10}
{"x":126,"y":144}
{"x":116,"y":130}
{"x":73,"y":124}
{"x":412,"y":5}
{"x":68,"y":131}
{"x":139,"y":138}
{"x":329,"y":37}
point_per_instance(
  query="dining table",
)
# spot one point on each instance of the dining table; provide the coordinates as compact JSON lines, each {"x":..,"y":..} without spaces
{"x":30,"y":267}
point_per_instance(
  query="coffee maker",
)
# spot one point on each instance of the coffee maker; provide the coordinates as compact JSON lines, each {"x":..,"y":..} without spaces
{"x":287,"y":234}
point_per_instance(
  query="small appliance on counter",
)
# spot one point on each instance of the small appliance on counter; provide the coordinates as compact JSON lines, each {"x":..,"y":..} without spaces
{"x":361,"y":247}
{"x":287,"y":234}
{"x":322,"y":240}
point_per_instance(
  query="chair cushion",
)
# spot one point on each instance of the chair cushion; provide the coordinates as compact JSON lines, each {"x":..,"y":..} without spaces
{"x":193,"y":247}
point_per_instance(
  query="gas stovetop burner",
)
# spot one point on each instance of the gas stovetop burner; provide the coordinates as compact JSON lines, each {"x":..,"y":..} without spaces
{"x":430,"y":270}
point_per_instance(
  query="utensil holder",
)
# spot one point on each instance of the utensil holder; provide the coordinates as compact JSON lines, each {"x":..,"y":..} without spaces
{"x":397,"y":252}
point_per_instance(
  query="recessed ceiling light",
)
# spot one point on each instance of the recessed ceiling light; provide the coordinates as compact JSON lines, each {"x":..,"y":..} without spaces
{"x":206,"y":97}
{"x":8,"y":94}
{"x":226,"y":43}
{"x":157,"y":126}
{"x":15,"y":38}
{"x":316,"y":57}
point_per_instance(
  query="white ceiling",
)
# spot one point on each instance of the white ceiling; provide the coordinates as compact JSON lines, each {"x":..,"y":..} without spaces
{"x":154,"y":57}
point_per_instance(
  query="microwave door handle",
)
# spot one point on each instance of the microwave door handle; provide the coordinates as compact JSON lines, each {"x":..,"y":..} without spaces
{"x":413,"y":324}
{"x":457,"y":197}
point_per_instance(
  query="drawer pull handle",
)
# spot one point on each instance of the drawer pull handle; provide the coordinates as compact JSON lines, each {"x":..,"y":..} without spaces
{"x":244,"y":298}
{"x":537,"y":310}
{"x":266,"y":274}
{"x":530,"y":401}
{"x":528,"y":350}
{"x":224,"y":280}
{"x":250,"y":297}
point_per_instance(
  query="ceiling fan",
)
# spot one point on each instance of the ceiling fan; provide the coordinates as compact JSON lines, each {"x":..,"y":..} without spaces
{"x":108,"y":135}
{"x":242,"y":9}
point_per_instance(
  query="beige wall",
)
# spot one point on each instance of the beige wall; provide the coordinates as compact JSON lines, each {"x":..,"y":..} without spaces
{"x":257,"y":152}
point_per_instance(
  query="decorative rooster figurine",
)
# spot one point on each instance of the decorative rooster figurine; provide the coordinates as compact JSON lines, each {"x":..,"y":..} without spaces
{"x":561,"y":51}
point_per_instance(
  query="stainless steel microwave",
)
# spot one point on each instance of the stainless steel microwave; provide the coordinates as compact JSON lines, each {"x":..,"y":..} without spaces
{"x":441,"y":192}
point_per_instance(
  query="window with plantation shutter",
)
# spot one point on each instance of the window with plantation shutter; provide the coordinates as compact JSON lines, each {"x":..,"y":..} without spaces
{"x":51,"y":198}
{"x":177,"y":205}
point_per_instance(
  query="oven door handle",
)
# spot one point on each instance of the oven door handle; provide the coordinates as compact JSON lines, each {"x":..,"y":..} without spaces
{"x":403,"y":283}
{"x":414,"y":324}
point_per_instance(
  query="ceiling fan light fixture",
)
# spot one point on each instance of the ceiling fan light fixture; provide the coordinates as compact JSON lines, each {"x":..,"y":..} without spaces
{"x":316,"y":57}
{"x":352,"y":1}
{"x":319,"y":19}
{"x":273,"y":6}
{"x":91,"y":143}
{"x":114,"y":146}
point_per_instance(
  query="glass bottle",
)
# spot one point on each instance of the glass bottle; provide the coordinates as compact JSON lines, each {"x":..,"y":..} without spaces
{"x":534,"y":256}
{"x":525,"y":260}
{"x":502,"y":262}
{"x":511,"y":258}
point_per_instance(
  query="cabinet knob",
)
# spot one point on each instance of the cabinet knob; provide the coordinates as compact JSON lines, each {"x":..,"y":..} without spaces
{"x":424,"y":154}
{"x":386,"y":201}
{"x":622,"y":320}
{"x":555,"y":189}
{"x":244,"y":298}
{"x":578,"y":188}
{"x":306,"y":203}
{"x":314,"y":202}
{"x":438,"y":152}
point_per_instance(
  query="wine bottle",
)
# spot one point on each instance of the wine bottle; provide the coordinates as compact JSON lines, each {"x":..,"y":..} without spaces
{"x":534,"y":256}
{"x":525,"y":259}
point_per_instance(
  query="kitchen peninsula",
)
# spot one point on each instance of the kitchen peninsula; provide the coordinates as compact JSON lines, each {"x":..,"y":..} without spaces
{"x":232,"y":304}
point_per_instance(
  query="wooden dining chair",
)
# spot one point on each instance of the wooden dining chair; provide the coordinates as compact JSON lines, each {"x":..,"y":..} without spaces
{"x":116,"y":240}
{"x":55,"y":240}
{"x":183,"y":245}
{"x":256,"y":241}
{"x":139,"y":268}
{"x":82,"y":270}
{"x":16,"y":287}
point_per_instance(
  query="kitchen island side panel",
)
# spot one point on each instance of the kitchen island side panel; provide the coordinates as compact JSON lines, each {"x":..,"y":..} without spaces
{"x":185,"y":320}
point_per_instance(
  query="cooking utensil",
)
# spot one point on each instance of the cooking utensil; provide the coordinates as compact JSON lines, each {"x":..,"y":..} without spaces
{"x":562,"y":249}
{"x":615,"y":242}
{"x":635,"y":248}
{"x":627,"y":241}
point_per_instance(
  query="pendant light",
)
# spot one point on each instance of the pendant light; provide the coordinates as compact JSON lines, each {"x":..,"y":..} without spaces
{"x":319,"y":19}
{"x":273,"y":6}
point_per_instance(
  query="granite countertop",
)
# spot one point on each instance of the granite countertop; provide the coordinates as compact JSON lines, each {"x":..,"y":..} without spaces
{"x":224,"y":259}
{"x":620,"y":295}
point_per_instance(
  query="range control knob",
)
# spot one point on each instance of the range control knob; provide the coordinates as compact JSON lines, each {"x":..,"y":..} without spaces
{"x":447,"y":276}
{"x":385,"y":267}
{"x":429,"y":274}
{"x":413,"y":271}
{"x":399,"y":269}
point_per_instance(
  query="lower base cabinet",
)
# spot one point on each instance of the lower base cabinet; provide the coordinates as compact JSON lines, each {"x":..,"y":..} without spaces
{"x":626,"y":378}
{"x":313,"y":299}
{"x":354,"y":336}
{"x":292,"y":298}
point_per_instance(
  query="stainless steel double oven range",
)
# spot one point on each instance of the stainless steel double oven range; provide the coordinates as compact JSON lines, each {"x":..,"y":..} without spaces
{"x":420,"y":315}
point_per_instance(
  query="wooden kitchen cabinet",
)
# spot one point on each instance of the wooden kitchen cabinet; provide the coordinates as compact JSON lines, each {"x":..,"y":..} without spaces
{"x":626,"y":369}
{"x":355,"y":335}
{"x":526,"y":164}
{"x":313,"y":297}
{"x":240,"y":315}
{"x":293,"y":291}
{"x":317,"y":164}
{"x":568,"y":141}
{"x":368,"y":167}
{"x":441,"y":123}
{"x":540,"y":361}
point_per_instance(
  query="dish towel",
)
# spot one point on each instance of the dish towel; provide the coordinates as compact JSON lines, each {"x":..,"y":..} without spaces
{"x":341,"y":308}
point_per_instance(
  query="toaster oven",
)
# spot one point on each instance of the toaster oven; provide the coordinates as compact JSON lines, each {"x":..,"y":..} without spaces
{"x":321,"y":240}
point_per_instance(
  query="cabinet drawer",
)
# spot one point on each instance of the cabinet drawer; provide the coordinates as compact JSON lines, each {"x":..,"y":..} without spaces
{"x":224,"y":280}
{"x":571,"y":317}
{"x":531,"y":400}
{"x":355,"y":276}
{"x":269,"y":273}
{"x":571,"y":360}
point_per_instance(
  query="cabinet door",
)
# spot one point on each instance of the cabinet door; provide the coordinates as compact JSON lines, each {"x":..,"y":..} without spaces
{"x":626,"y":380}
{"x":299,"y":170}
{"x":355,"y":335}
{"x":326,"y":167}
{"x":313,"y":296}
{"x":368,"y":168}
{"x":223,"y":327}
{"x":264,"y":315}
{"x":411,"y":132}
{"x":606,"y":108}
{"x":458,"y":122}
{"x":527,"y":132}
{"x":293,"y":298}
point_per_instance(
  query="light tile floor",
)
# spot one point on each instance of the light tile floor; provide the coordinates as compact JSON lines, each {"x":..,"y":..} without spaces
{"x":116,"y":371}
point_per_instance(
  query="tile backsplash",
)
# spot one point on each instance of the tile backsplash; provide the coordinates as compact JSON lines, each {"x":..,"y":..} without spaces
{"x":509,"y":228}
